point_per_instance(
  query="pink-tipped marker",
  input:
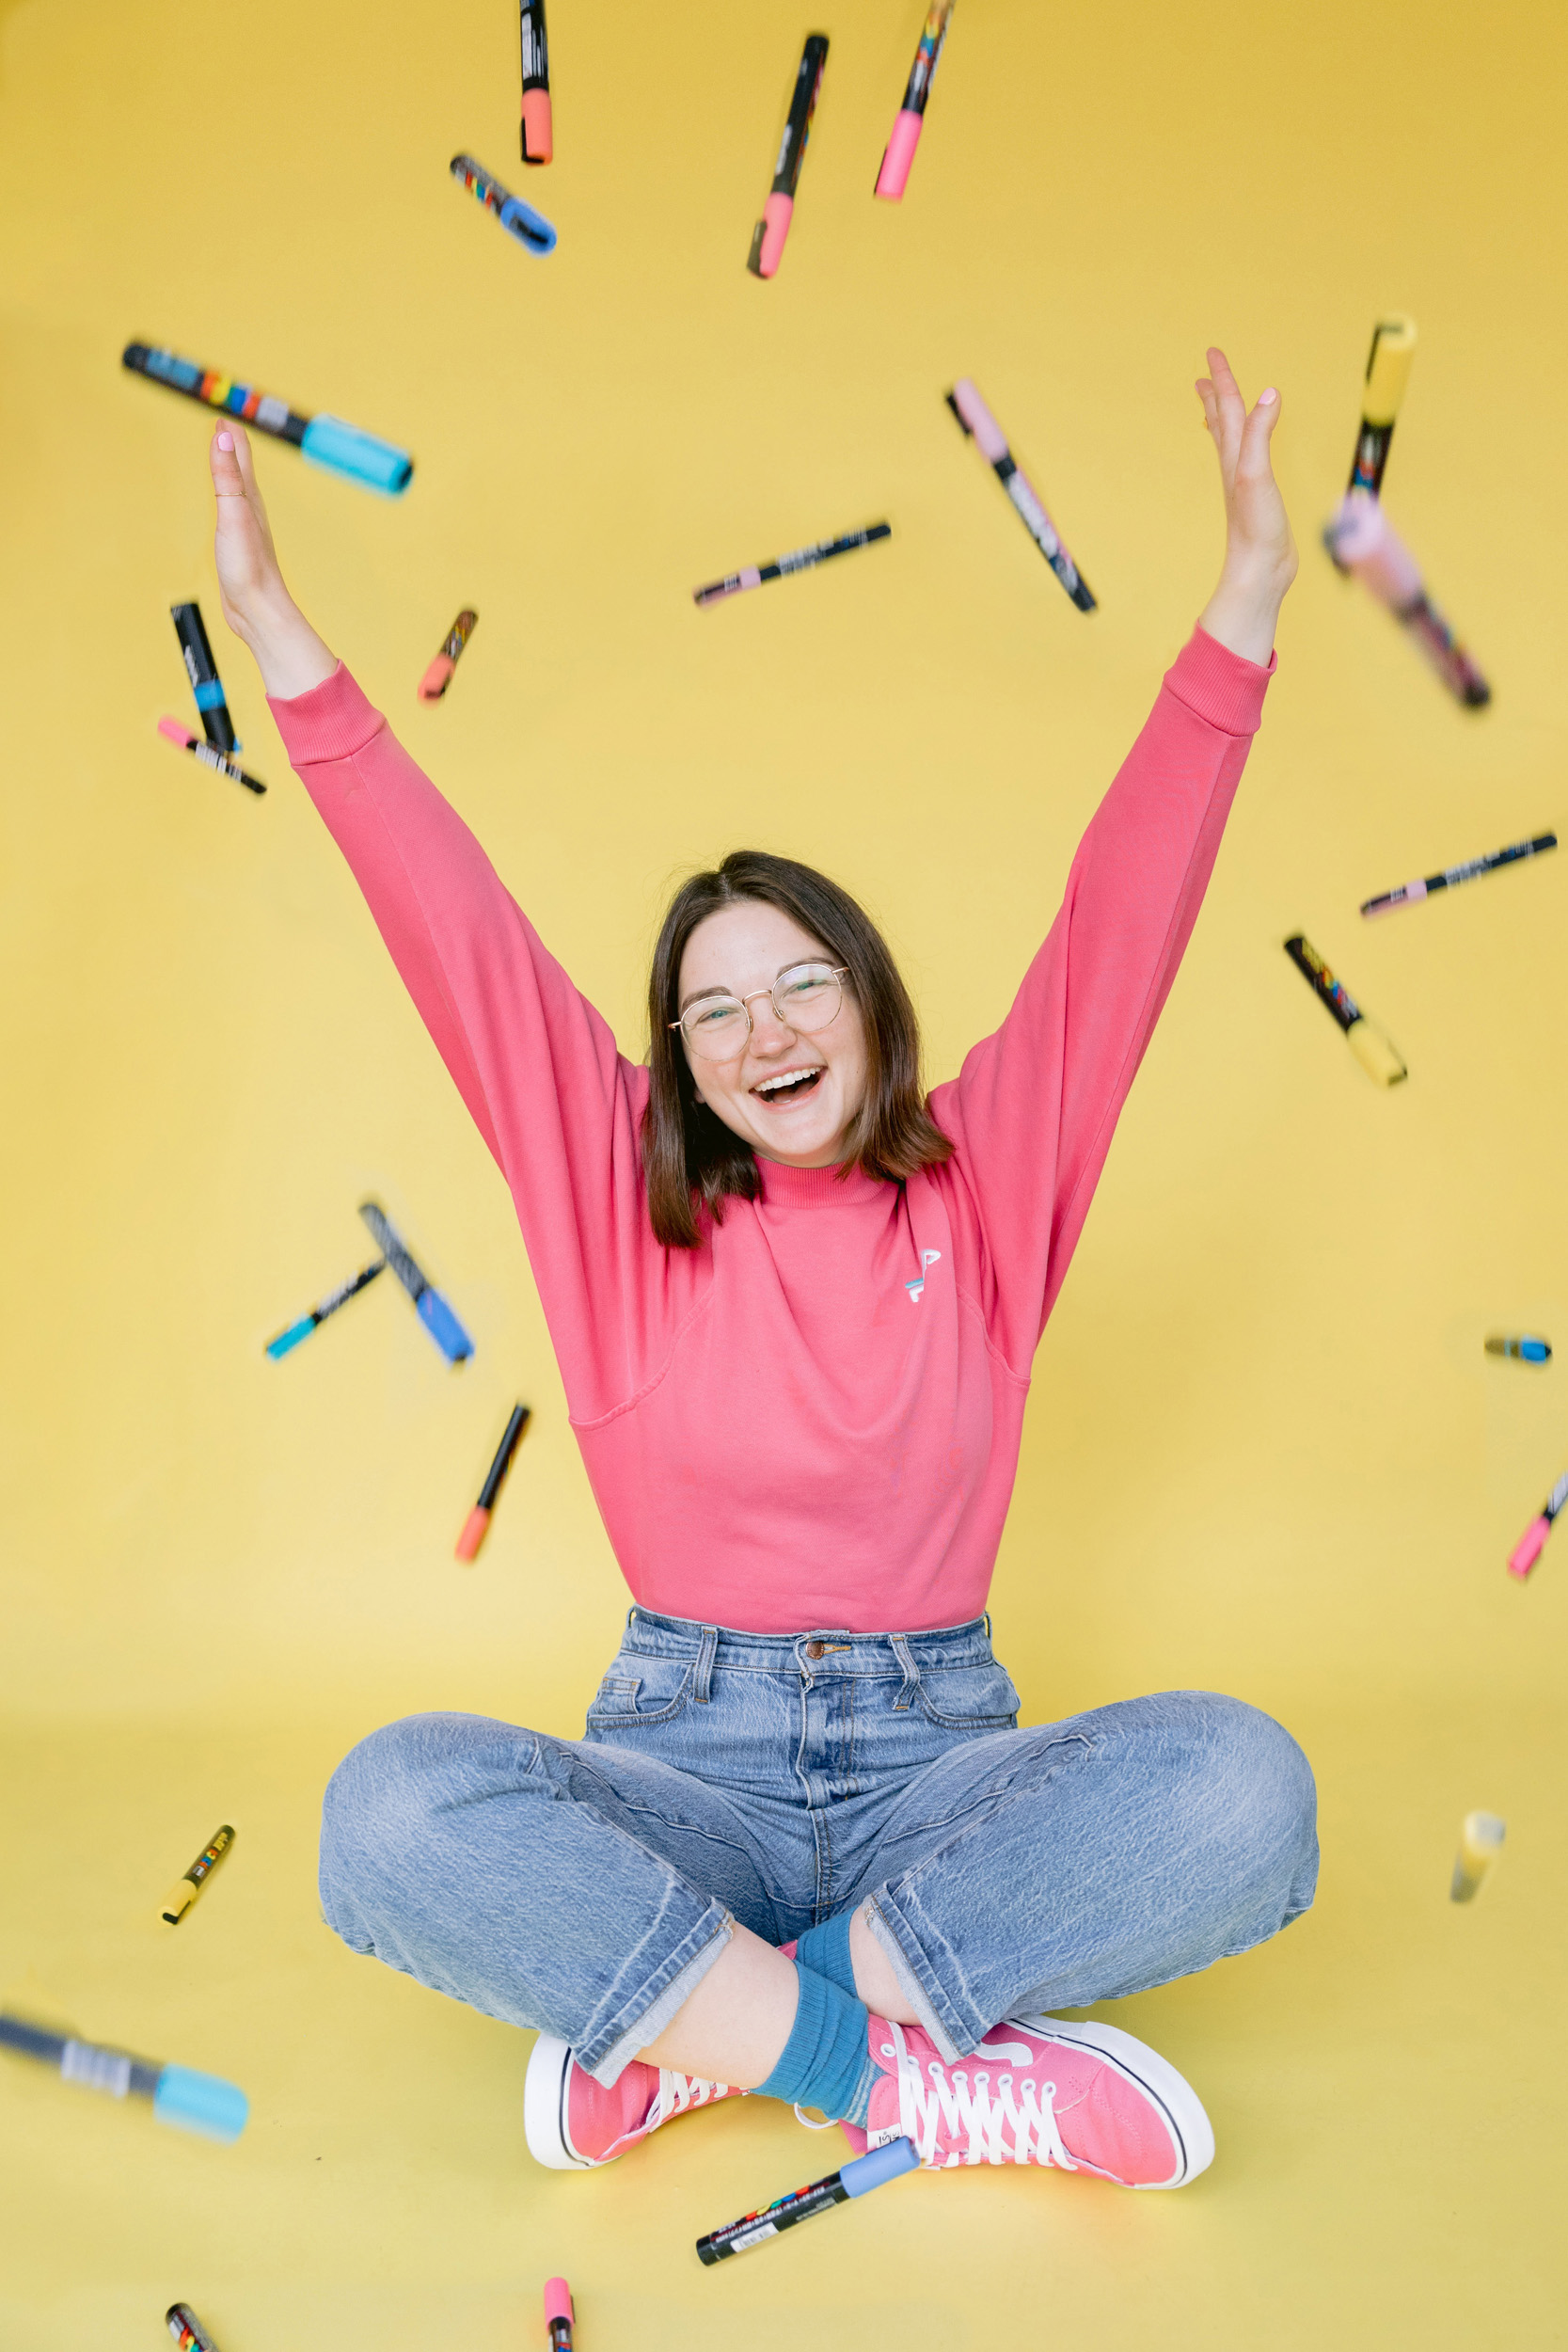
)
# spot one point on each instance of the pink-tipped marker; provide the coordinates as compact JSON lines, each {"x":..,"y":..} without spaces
{"x":538,"y":133}
{"x":209,"y":755}
{"x":1365,"y":542}
{"x":558,"y":2314}
{"x":989,"y":437}
{"x":777,"y":214}
{"x":898,"y":155}
{"x":1527,"y":1550}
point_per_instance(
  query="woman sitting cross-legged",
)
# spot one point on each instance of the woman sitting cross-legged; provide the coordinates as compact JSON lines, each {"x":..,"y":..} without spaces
{"x":803,"y":1847}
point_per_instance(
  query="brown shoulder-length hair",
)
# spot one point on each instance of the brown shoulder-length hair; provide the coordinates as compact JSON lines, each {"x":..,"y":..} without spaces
{"x":690,"y":1159}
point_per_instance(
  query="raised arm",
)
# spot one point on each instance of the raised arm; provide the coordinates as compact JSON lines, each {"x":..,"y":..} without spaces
{"x":535,"y":1064}
{"x":1034,"y":1106}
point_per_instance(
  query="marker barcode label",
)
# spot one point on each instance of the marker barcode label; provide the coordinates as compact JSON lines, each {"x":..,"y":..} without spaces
{"x":753,"y":2237}
{"x":99,"y":2070}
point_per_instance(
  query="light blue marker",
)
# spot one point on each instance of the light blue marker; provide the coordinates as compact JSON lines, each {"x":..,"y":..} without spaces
{"x":204,"y":2104}
{"x":430,"y":1308}
{"x":1524,"y":1351}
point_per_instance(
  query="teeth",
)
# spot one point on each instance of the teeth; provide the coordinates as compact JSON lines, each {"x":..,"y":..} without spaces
{"x":790,"y":1078}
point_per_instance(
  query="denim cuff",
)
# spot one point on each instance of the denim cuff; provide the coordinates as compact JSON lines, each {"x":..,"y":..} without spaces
{"x":653,"y":2007}
{"x":917,"y":1980}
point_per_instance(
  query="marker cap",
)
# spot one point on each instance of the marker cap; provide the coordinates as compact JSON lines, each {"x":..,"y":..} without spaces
{"x":342,"y":449}
{"x":290,"y":1338}
{"x":443,"y":1326}
{"x":537,"y":134}
{"x":1365,"y":542}
{"x":1527,"y":1550}
{"x":200,"y":2102}
{"x":436,"y":678}
{"x":989,"y":437}
{"x":899,"y":155}
{"x":1388,"y":367}
{"x":558,"y":2301}
{"x":528,"y":227}
{"x":878,"y":2164}
{"x":1374,"y":1053}
{"x":176,"y":733}
{"x":176,"y":1901}
{"x":774,"y":226}
{"x":475,"y":1528}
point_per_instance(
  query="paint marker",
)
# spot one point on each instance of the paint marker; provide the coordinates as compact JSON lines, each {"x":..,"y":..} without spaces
{"x":195,"y":2102}
{"x":290,"y":1338}
{"x":803,"y":560}
{"x":977,"y":422}
{"x":1363,"y":541}
{"x":1411,"y":894}
{"x":530,"y":229}
{"x":1481,"y":1842}
{"x":899,"y":153}
{"x":1371,"y":1049}
{"x":853,"y":2180}
{"x":439,"y":677}
{"x":477,"y":1525}
{"x":430,"y":1308}
{"x":1523,"y":1350}
{"x":206,"y":685}
{"x":327,"y":441}
{"x":535,"y":134}
{"x":184,"y":1891}
{"x":187,"y":2330}
{"x":1527,"y":1550}
{"x":768,"y":237}
{"x":558,"y":2315}
{"x":218,"y":761}
{"x":1388,"y":373}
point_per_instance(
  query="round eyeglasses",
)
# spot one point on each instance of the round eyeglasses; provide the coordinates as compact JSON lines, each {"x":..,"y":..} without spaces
{"x":804,"y":999}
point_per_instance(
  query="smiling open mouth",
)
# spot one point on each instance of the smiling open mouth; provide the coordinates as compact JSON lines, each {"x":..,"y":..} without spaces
{"x":789,"y":1085}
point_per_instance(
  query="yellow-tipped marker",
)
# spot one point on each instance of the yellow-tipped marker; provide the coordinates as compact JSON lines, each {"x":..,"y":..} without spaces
{"x":184,"y":1891}
{"x":1481,"y":1842}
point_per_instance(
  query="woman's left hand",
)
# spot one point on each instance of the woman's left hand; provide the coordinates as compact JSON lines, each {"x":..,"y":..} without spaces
{"x":1259,"y":552}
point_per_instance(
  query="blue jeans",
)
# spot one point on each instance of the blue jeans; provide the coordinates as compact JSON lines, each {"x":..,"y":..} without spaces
{"x":585,"y":1887}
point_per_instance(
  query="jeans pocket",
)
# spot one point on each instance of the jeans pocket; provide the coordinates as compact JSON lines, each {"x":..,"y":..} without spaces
{"x":970,"y":1698}
{"x":656,"y":1695}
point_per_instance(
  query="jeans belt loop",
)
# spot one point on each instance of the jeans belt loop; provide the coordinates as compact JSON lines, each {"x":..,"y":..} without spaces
{"x":989,"y":1636}
{"x":701,"y":1679}
{"x":905,"y":1656}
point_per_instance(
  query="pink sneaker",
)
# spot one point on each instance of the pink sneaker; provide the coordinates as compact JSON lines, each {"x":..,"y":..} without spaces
{"x":1038,"y":2090}
{"x":571,"y":2122}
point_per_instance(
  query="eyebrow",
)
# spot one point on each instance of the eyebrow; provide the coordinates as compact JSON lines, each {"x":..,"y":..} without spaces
{"x":698,"y":994}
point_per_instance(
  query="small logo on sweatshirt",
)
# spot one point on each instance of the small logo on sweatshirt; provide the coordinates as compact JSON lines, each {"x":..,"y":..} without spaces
{"x":917,"y":1288}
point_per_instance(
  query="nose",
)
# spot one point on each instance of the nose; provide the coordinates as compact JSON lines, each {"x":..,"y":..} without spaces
{"x":769,"y":1035}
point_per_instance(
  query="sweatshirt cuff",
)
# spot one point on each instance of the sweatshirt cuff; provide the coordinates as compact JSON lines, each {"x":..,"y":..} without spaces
{"x":331,"y":721}
{"x":1221,"y":686}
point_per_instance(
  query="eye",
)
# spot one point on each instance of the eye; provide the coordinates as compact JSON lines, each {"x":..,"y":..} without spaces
{"x":711,"y":1016}
{"x":809,"y":986}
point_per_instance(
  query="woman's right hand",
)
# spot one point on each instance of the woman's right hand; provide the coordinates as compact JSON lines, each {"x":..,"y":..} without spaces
{"x":256,"y":604}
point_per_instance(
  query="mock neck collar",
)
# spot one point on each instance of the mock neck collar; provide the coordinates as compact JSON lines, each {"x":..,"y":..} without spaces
{"x":816,"y":1187}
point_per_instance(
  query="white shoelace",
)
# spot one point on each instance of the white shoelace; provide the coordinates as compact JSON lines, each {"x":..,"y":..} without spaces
{"x":676,"y":2092}
{"x":1008,"y":2122}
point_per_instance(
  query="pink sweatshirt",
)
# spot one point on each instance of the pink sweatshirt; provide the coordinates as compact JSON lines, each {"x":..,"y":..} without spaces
{"x":811,"y":1422}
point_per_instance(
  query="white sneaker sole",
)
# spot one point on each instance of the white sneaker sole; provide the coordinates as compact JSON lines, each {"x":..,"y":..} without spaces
{"x":1190,"y":2132}
{"x":549,"y":2069}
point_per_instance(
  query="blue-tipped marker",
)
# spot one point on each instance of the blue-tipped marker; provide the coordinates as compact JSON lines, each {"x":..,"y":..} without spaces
{"x":430,"y":1308}
{"x":519,"y":219}
{"x":1524,"y":1350}
{"x":204,"y":2104}
{"x":853,"y":2180}
{"x":290,"y":1338}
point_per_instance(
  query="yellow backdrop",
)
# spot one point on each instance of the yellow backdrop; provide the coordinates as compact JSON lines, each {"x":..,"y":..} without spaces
{"x":1265,"y":1451}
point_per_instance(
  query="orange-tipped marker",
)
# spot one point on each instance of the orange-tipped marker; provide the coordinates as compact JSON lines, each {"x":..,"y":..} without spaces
{"x":537,"y":136}
{"x":477,"y":1526}
{"x":439,"y":677}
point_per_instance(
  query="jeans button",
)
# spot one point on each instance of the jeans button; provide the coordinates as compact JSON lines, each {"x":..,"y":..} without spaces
{"x":814,"y":1649}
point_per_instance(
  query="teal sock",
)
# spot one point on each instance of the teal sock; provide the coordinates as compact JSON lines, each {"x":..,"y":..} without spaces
{"x":827,"y":1949}
{"x":826,"y":2062}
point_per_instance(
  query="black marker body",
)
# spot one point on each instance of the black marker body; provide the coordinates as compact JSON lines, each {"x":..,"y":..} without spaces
{"x":202,"y":671}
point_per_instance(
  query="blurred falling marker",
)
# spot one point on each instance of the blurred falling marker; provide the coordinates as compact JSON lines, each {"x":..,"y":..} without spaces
{"x":430,"y":1308}
{"x":1481,"y":1842}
